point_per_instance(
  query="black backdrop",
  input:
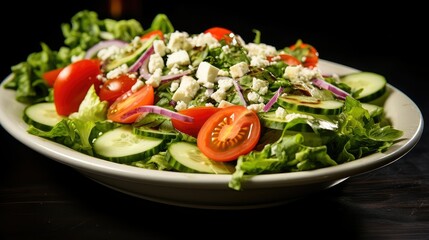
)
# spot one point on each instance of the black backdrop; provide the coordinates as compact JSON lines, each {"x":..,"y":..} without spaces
{"x":388,"y":39}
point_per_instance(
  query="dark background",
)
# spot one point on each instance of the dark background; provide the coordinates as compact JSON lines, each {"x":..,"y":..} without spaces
{"x":40,"y":198}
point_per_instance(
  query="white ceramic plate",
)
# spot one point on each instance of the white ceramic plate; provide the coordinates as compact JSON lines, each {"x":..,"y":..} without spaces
{"x":212,"y":191}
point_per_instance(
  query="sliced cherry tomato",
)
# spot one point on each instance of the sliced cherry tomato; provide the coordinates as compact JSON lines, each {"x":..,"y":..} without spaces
{"x":129,"y":101}
{"x":200,"y":115}
{"x":310,"y":56}
{"x":72,"y":84}
{"x":287,"y":58}
{"x":229,"y":133}
{"x":220,"y":33}
{"x":51,"y":76}
{"x":115,"y":87}
{"x":153,"y":33}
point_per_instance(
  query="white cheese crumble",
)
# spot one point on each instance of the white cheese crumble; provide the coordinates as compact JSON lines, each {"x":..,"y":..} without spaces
{"x":261,"y":49}
{"x":155,"y":78}
{"x":155,"y":62}
{"x":187,"y":90}
{"x":159,"y":47}
{"x":238,"y":70}
{"x":259,"y":61}
{"x":206,"y":73}
{"x":179,"y":41}
{"x":117,"y":71}
{"x":260,"y":86}
{"x":108,"y":52}
{"x":179,"y":57}
{"x":300,"y":73}
{"x":256,"y":107}
{"x":204,"y":39}
{"x":181,"y":105}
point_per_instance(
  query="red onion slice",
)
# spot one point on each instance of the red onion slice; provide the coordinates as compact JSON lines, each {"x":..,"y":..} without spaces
{"x":273,"y":100}
{"x":142,"y":59}
{"x":338,"y":92}
{"x":158,"y":110}
{"x":171,"y":77}
{"x":240,"y":94}
{"x":103,"y":44}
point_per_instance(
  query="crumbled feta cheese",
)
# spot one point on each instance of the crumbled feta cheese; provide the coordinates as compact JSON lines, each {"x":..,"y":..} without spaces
{"x":254,"y":97}
{"x":206,"y":73}
{"x":187,"y":89}
{"x":260,"y":49}
{"x":117,"y":71}
{"x":223,"y":73}
{"x":174,"y":86}
{"x":239,"y":69}
{"x":300,"y":73}
{"x":256,"y":107}
{"x":204,"y":39}
{"x":280,"y":113}
{"x":159,"y":47}
{"x":219,"y":95}
{"x":155,"y":62}
{"x":226,"y":49}
{"x":179,"y":41}
{"x":139,"y":84}
{"x":225,"y":83}
{"x":155,"y":78}
{"x":174,"y":70}
{"x":180,"y":57}
{"x":106,"y":53}
{"x":260,"y":86}
{"x":181,"y":105}
{"x":258,"y":61}
{"x":291,"y":116}
{"x":224,"y":103}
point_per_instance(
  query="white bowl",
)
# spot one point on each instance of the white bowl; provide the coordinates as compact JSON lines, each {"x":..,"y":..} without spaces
{"x":212,"y":191}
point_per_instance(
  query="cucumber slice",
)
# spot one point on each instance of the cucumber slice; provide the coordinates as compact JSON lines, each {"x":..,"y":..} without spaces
{"x":149,"y":132}
{"x":270,"y":120}
{"x":131,"y":57}
{"x":187,"y":157}
{"x":370,"y":85}
{"x":123,"y":146}
{"x":311,"y":105}
{"x":42,"y":115}
{"x":375,"y":111}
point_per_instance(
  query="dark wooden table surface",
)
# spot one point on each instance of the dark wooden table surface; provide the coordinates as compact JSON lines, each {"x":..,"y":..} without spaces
{"x":43,"y":199}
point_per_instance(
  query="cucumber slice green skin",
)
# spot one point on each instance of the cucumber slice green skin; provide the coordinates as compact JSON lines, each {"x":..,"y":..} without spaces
{"x":42,"y":115}
{"x":311,"y":105}
{"x":121,"y":145}
{"x":148,"y":132}
{"x":270,"y":120}
{"x":373,"y":85}
{"x":186,"y":157}
{"x":131,"y":58}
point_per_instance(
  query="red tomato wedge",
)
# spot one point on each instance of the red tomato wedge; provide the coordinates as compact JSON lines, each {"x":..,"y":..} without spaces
{"x":287,"y":58}
{"x":72,"y":84}
{"x":200,"y":115}
{"x":51,"y":76}
{"x":153,"y":33}
{"x":311,"y":54}
{"x":129,"y":101}
{"x":115,"y":87}
{"x":229,"y":133}
{"x":220,"y":33}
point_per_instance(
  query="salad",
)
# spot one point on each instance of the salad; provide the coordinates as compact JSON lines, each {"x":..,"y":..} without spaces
{"x":210,"y":102}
